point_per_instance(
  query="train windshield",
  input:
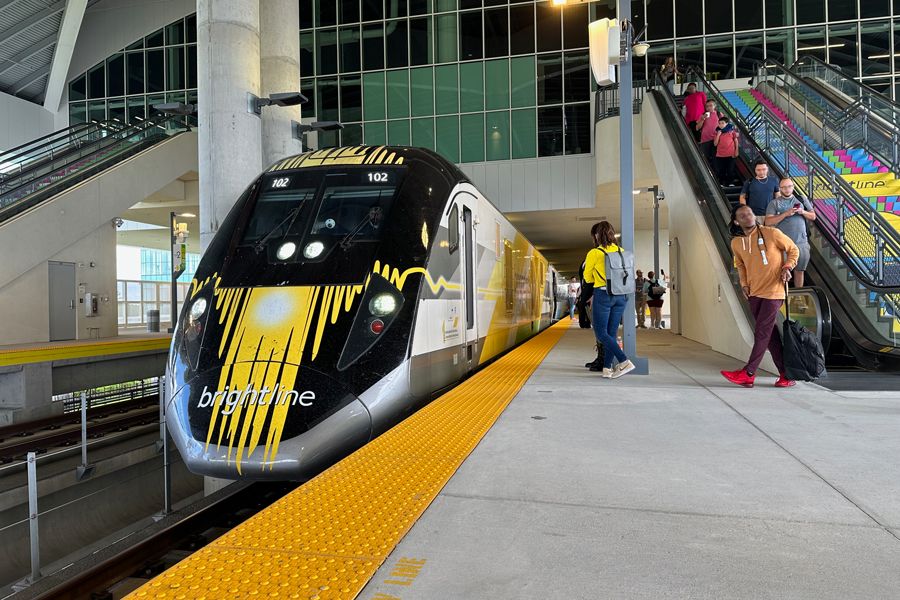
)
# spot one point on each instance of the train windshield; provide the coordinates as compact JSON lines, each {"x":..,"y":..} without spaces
{"x":276,"y":213}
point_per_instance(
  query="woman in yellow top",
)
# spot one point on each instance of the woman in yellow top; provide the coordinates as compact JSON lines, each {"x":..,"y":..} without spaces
{"x":607,"y":309}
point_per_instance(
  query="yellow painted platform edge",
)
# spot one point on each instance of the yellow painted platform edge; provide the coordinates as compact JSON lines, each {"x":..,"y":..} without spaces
{"x":50,"y":353}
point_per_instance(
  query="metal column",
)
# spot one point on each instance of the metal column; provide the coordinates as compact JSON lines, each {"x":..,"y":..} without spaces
{"x":33,"y":518}
{"x":83,"y":470}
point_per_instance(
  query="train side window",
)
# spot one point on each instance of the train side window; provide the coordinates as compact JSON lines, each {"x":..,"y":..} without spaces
{"x":453,"y":230}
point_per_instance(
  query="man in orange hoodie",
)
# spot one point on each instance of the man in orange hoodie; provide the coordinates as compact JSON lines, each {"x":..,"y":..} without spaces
{"x":764,"y":258}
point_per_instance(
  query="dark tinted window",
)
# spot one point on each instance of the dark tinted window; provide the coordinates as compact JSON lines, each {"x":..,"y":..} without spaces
{"x":397,"y":43}
{"x":372,"y":10}
{"x":156,"y":75}
{"x":718,"y":17}
{"x":349,"y":11}
{"x":575,"y":22}
{"x":326,"y":52}
{"x":521,"y":29}
{"x":115,"y":75}
{"x":78,"y":89}
{"x":350,"y":49}
{"x":373,"y":47}
{"x":470,"y":35}
{"x":661,"y":24}
{"x":496,"y":33}
{"x":689,"y":17}
{"x":577,"y":76}
{"x":809,"y":11}
{"x":550,"y":131}
{"x":420,"y":41}
{"x":327,"y":13}
{"x":750,"y":15}
{"x":351,"y":99}
{"x":578,"y":128}
{"x":549,"y":79}
{"x":306,"y":14}
{"x":549,"y":27}
{"x":97,"y":82}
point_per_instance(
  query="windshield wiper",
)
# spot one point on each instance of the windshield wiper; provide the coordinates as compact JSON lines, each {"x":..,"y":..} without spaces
{"x":373,"y":219}
{"x":292,"y":216}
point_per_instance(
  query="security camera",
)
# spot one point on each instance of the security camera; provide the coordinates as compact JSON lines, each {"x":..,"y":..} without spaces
{"x":640,"y":49}
{"x":118,"y":222}
{"x":661,"y":195}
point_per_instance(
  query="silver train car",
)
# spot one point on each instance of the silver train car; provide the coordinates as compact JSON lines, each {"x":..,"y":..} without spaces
{"x":346,"y":288}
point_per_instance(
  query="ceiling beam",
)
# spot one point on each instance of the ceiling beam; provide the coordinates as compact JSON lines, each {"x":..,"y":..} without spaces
{"x":29,"y":79}
{"x":5,"y":3}
{"x":30,"y":21}
{"x":23,"y":55}
{"x":62,"y":56}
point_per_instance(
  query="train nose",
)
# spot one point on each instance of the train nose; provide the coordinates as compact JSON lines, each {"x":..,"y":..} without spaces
{"x":266,"y":421}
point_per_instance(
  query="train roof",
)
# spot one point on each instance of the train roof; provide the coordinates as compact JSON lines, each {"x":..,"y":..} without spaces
{"x":370,"y":155}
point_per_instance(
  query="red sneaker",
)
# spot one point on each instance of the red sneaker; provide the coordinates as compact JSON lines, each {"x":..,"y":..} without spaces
{"x":784,"y":382}
{"x":739,"y":377}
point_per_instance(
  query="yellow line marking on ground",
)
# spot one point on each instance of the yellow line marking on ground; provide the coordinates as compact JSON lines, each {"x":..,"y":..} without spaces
{"x":36,"y":354}
{"x":327,"y":538}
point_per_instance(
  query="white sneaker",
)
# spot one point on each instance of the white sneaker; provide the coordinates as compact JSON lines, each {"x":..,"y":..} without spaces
{"x":623,"y":368}
{"x":607,"y":373}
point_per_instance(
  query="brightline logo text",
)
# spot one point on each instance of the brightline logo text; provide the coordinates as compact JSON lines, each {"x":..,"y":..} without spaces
{"x":230,"y":399}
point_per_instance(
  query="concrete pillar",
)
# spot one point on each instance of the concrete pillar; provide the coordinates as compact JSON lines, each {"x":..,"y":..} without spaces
{"x":228,"y":136}
{"x":26,"y":393}
{"x":280,"y":72}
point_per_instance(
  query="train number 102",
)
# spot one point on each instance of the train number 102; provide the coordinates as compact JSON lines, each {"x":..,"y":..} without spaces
{"x":378,"y":177}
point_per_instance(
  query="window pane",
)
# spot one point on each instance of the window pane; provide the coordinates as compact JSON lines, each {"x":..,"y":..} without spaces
{"x":841,"y":10}
{"x":156,"y":74}
{"x":398,"y":132}
{"x":688,"y":17}
{"x":352,"y":134}
{"x":471,"y":132}
{"x":175,"y":68}
{"x":155,"y":39}
{"x":467,"y":4}
{"x":372,"y":10}
{"x":524,"y":133}
{"x":718,"y":16}
{"x":373,"y":47}
{"x":175,"y":33}
{"x":97,"y":82}
{"x":78,"y":88}
{"x":550,"y":131}
{"x":521,"y":29}
{"x":578,"y":129}
{"x":349,"y":11}
{"x":577,"y":77}
{"x":575,"y":23}
{"x":749,"y":15}
{"x":661,"y":24}
{"x":780,"y":46}
{"x":497,"y":131}
{"x":720,"y":57}
{"x":549,"y":27}
{"x":306,"y":14}
{"x":421,"y":90}
{"x":522,"y":81}
{"x":133,"y":310}
{"x":445,"y":38}
{"x":149,"y":291}
{"x":470,"y":35}
{"x":446,"y":83}
{"x":308,"y":89}
{"x":192,"y":66}
{"x":471,"y":87}
{"x":748,"y":50}
{"x":842,"y":48}
{"x":133,"y":291}
{"x":373,"y":96}
{"x":875,"y":48}
{"x":327,"y":100}
{"x":97,"y":110}
{"x":689,"y":52}
{"x":420,"y":42}
{"x":447,"y":137}
{"x":190,"y":29}
{"x":350,"y":49}
{"x":375,"y":133}
{"x":397,"y":94}
{"x":423,"y":133}
{"x":874,"y":8}
{"x":136,"y":110}
{"x":779,"y":13}
{"x":810,"y":42}
{"x":116,"y":110}
{"x":419,"y":7}
{"x":351,"y":99}
{"x":135,"y":72}
{"x":326,"y":13}
{"x":327,"y":139}
{"x":77,"y":113}
{"x":657,"y":55}
{"x":496,"y":79}
{"x":397,"y":43}
{"x":138,"y":45}
{"x":326,"y":52}
{"x":394,"y":9}
{"x":115,"y":75}
{"x":810,"y":11}
{"x":307,"y":54}
{"x":444,"y":5}
{"x":549,"y":79}
{"x":496,"y":33}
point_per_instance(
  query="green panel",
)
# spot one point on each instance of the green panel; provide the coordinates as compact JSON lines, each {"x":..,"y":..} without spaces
{"x":398,"y":93}
{"x":524,"y":133}
{"x":471,"y":86}
{"x":421,"y":88}
{"x":471,"y":131}
{"x":423,"y":133}
{"x":398,"y":132}
{"x":496,"y":84}
{"x":373,"y":95}
{"x":447,"y":137}
{"x":444,"y":5}
{"x":522,"y":82}
{"x":375,"y":133}
{"x":497,"y":135}
{"x":446,"y":84}
{"x":445,"y":38}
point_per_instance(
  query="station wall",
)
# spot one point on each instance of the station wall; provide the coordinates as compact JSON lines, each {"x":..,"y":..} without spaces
{"x":21,"y":121}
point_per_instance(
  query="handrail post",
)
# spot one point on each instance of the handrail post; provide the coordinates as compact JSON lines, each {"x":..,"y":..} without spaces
{"x":34,"y":540}
{"x":84,"y":470}
{"x":167,"y":468}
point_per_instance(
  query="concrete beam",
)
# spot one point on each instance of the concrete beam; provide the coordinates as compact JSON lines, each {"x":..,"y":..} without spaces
{"x":62,"y":56}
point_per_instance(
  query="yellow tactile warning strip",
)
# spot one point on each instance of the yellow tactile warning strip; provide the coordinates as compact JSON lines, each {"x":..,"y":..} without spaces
{"x":50,"y":352}
{"x":327,"y":538}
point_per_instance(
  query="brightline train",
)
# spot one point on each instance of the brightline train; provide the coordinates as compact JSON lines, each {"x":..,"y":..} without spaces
{"x":345,"y":289}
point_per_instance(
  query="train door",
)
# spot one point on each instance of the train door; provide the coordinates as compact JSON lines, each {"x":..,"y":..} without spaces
{"x":469,"y":280}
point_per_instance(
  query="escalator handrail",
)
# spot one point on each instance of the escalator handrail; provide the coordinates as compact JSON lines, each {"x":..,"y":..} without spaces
{"x":856,"y":200}
{"x":87,"y":150}
{"x":864,"y":90}
{"x":12,"y":152}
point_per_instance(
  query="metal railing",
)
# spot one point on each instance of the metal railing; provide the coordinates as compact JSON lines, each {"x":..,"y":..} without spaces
{"x":606,"y":100}
{"x":109,"y":394}
{"x":833,"y":127}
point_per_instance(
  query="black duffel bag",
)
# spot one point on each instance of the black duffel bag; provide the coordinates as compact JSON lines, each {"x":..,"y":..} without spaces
{"x":804,"y":358}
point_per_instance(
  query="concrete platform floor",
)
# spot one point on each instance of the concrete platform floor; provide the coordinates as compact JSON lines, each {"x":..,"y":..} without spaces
{"x":673,"y":485}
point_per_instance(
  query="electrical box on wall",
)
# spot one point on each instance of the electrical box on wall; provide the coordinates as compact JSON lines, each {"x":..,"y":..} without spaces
{"x":90,"y":304}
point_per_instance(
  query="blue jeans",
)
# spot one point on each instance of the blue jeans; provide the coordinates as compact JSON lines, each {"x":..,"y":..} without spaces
{"x":572,"y":307}
{"x":607,"y":314}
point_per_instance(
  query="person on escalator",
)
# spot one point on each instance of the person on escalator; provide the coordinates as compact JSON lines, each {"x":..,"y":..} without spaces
{"x":706,"y":125}
{"x":764,"y":258}
{"x":726,"y":143}
{"x":694,"y":106}
{"x":790,"y":214}
{"x":759,"y":191}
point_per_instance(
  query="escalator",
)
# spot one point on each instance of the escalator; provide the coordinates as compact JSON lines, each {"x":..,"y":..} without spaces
{"x":839,"y":315}
{"x":76,"y":154}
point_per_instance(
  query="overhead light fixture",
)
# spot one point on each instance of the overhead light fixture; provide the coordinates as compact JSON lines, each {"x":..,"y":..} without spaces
{"x":186,"y":215}
{"x":176,"y":108}
{"x":821,"y":47}
{"x":883,"y":56}
{"x":636,"y":192}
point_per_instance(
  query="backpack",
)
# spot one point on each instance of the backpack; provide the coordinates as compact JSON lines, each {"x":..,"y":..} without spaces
{"x":619,"y":272}
{"x":804,"y":358}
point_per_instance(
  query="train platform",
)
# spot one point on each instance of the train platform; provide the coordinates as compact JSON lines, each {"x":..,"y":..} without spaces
{"x":536,"y":478}
{"x":124,"y":343}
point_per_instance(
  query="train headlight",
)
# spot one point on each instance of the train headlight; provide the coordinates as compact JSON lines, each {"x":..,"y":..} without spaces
{"x":286,"y":250}
{"x":313,"y":249}
{"x":382,"y":304}
{"x":198,"y":308}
